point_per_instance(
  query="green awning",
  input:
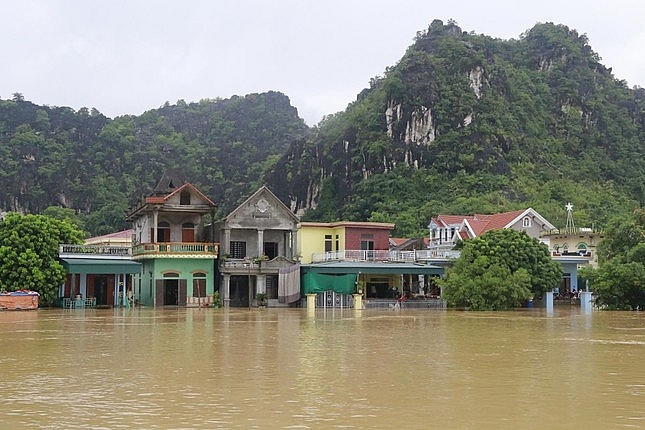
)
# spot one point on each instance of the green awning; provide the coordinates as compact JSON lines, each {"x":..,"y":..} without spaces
{"x":372,"y":268}
{"x":98,"y":266}
{"x":317,"y":283}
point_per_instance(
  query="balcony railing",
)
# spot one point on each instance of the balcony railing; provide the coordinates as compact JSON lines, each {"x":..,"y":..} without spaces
{"x":390,"y":256}
{"x":97,"y":251}
{"x":176,"y":249}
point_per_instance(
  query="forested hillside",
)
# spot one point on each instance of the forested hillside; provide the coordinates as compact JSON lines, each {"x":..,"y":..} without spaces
{"x":463,"y":123}
{"x":100,"y":167}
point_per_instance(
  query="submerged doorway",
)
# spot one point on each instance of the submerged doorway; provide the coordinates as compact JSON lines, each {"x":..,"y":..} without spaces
{"x":241,"y":290}
{"x":170,"y":292}
{"x":101,"y":290}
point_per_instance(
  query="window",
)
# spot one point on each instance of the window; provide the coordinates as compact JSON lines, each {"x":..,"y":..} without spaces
{"x":526,"y":222}
{"x":271,"y":249}
{"x":337,"y":243}
{"x":163,"y":232}
{"x":367,"y":245}
{"x":199,"y":284}
{"x":238,"y":249}
{"x":184,"y":198}
{"x":328,"y":243}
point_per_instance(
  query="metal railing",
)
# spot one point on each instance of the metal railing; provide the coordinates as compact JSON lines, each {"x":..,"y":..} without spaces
{"x":162,"y":249}
{"x":389,"y":256}
{"x":95,"y":250}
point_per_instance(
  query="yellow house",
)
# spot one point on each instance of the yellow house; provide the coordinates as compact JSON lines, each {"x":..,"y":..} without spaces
{"x":343,"y":240}
{"x":346,"y":258}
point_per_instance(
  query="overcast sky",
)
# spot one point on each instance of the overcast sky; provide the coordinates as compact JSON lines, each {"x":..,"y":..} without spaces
{"x":129,"y":56}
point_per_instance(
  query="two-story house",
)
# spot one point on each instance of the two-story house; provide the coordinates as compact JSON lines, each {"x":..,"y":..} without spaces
{"x":447,"y":230}
{"x":171,"y":244}
{"x":342,"y":258}
{"x":257,"y":240}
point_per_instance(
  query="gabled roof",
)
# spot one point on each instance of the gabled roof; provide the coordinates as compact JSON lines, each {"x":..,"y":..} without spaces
{"x":192,"y":188}
{"x":263,"y":191}
{"x":160,"y":199}
{"x":476,"y":225}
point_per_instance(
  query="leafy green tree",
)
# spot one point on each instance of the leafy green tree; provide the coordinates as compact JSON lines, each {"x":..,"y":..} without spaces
{"x":499,"y":270}
{"x":619,"y":282}
{"x":29,"y":253}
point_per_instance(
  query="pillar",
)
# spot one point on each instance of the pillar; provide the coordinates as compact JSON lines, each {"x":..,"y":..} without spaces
{"x":358,"y":301}
{"x":225,"y":293}
{"x":548,"y":301}
{"x":226,"y":244}
{"x":311,"y":301}
{"x":260,"y":242}
{"x":585,"y":301}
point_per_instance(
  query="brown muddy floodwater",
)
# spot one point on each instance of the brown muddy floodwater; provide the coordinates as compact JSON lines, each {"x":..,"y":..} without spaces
{"x":290,"y":369}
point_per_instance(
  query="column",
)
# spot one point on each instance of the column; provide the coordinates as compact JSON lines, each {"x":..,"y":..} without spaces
{"x":155,"y":216}
{"x":227,"y":242}
{"x":83,"y":288}
{"x":260,"y":242}
{"x":225,"y":292}
{"x":311,"y":301}
{"x":260,"y":283}
{"x":548,"y":299}
{"x":358,"y":301}
{"x":294,"y":243}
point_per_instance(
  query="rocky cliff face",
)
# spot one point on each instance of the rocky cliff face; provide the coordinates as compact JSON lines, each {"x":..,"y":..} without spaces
{"x":487,"y":114}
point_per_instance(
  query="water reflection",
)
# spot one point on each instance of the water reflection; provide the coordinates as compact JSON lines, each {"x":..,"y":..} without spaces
{"x":205,"y":368}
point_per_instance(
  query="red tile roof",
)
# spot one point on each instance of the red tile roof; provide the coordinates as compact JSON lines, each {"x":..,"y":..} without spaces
{"x":480,"y":223}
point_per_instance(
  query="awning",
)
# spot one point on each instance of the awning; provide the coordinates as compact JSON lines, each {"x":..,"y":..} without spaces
{"x":372,"y":268}
{"x":99,"y":266}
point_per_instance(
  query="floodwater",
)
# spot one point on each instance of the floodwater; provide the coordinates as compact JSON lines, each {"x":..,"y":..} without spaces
{"x":293,"y":369}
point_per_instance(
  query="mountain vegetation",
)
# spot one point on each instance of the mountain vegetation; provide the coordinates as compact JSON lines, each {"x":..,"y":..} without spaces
{"x":465,"y":123}
{"x":462,"y":123}
{"x":100,"y":167}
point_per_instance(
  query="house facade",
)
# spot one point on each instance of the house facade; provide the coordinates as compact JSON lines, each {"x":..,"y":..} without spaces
{"x":99,"y":273}
{"x":447,"y":230}
{"x":258,"y":241}
{"x":341,"y":259}
{"x":177,"y":256}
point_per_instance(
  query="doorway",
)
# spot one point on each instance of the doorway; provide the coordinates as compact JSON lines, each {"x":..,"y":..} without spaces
{"x":101,"y":290}
{"x":171,"y":292}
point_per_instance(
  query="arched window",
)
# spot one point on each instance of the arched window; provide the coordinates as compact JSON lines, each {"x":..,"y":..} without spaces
{"x":526,"y":222}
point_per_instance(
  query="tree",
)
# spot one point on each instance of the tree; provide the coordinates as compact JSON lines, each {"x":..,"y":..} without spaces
{"x":29,"y":253}
{"x":500,"y":270}
{"x":619,"y":282}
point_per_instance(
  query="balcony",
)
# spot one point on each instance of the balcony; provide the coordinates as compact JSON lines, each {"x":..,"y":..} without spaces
{"x":386,"y":256}
{"x":175,"y":250}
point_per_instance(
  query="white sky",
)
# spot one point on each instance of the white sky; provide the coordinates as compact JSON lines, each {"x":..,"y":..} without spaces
{"x":130,"y":56}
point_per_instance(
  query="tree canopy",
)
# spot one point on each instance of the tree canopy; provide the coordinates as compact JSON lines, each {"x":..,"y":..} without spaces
{"x":619,"y":281}
{"x":500,"y":270}
{"x":29,"y":253}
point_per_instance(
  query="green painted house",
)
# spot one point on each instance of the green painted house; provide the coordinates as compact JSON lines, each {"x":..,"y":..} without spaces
{"x":178,"y":259}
